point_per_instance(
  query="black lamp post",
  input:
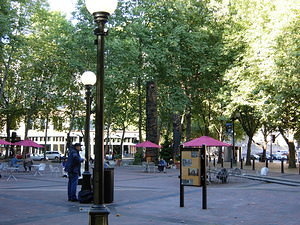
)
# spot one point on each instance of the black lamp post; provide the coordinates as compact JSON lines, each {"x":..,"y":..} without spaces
{"x":233,"y":159}
{"x":100,"y":9}
{"x":88,"y":78}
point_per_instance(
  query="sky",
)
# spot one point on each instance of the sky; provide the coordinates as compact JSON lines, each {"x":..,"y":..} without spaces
{"x":64,"y":6}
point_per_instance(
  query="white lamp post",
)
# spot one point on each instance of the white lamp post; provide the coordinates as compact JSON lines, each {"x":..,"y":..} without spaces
{"x":88,"y":78}
{"x":100,"y":9}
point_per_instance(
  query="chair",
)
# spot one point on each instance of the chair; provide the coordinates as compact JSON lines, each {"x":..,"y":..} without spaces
{"x":54,"y":170}
{"x":151,"y":167}
{"x":39,"y":169}
{"x":3,"y":168}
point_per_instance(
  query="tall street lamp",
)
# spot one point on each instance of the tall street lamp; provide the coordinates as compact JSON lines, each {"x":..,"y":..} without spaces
{"x":100,"y":9}
{"x":236,"y":116}
{"x":88,"y":78}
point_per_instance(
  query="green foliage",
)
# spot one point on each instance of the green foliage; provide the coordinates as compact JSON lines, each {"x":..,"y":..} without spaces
{"x":166,"y":151}
{"x":138,"y":157}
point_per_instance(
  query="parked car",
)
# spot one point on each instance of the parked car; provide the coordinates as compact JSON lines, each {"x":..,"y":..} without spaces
{"x":53,"y":155}
{"x":254,"y":156}
{"x":280,"y":156}
{"x":261,"y":155}
{"x":38,"y":157}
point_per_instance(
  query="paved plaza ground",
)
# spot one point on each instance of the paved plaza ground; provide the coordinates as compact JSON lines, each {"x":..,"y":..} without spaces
{"x":152,"y":199}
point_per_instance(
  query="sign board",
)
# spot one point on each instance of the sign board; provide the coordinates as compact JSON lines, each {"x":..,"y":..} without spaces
{"x":193,"y":171}
{"x":190,"y":167}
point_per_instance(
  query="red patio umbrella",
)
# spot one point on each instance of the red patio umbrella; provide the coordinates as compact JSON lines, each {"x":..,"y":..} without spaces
{"x":205,"y":140}
{"x":28,"y":143}
{"x":147,"y":144}
{"x":2,"y":142}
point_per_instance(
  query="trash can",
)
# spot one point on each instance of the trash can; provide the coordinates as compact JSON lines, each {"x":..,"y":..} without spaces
{"x":108,"y":185}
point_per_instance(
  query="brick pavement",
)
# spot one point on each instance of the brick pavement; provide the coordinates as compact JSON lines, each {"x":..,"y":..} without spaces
{"x":151,"y":199}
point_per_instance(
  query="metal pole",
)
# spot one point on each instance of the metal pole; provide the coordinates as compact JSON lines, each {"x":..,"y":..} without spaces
{"x":203,"y":177}
{"x":98,"y":212}
{"x":242,"y":161}
{"x":233,"y":143}
{"x":86,"y":176}
{"x":181,"y":195}
{"x":271,"y":154}
{"x":253,"y":164}
{"x":282,"y":166}
{"x":181,"y":186}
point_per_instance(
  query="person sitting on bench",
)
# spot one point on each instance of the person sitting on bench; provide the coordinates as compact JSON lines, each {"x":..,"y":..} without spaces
{"x":162,"y":164}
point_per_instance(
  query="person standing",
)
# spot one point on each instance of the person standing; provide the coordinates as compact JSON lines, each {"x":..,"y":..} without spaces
{"x":73,"y":169}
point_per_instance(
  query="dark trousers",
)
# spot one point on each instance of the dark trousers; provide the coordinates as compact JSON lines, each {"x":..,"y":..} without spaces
{"x":25,"y":167}
{"x":72,"y":186}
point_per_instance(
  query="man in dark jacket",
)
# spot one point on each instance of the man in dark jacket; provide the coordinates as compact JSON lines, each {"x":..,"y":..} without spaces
{"x":73,"y":169}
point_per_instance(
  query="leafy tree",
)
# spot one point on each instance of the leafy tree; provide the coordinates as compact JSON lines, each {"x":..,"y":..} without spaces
{"x":286,"y":88}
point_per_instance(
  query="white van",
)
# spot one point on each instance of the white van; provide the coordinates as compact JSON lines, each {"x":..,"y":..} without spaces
{"x":53,"y":155}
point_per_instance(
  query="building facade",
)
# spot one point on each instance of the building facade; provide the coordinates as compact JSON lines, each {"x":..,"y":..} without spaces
{"x":57,"y":141}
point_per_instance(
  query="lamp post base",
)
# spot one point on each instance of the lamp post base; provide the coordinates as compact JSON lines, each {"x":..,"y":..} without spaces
{"x":98,"y":215}
{"x":86,"y":181}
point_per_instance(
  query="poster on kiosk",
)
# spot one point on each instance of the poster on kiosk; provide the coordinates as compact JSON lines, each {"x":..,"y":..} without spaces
{"x":190,"y":167}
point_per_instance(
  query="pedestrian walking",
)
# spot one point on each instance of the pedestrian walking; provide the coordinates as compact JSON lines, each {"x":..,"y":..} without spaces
{"x":73,"y":169}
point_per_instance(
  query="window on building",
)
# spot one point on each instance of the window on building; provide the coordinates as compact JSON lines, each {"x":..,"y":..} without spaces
{"x":62,"y":148}
{"x":48,"y":147}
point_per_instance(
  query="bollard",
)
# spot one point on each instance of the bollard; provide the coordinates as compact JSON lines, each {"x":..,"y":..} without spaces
{"x":214,"y":162}
{"x":253,"y":164}
{"x":267,"y":163}
{"x":242,"y":161}
{"x":231,"y":162}
{"x":282,"y":167}
{"x":222,"y":162}
{"x":299,"y":167}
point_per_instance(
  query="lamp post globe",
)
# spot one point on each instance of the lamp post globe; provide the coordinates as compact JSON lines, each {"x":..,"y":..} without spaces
{"x":107,"y":6}
{"x":88,"y":78}
{"x":100,"y":9}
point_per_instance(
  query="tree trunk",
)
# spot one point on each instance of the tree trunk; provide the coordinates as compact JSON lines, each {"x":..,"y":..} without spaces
{"x":248,"y":160}
{"x":264,"y":148}
{"x":176,"y":134}
{"x":292,"y":151}
{"x":122,"y":140}
{"x":151,"y":120}
{"x":219,"y":155}
{"x":27,"y":124}
{"x":188,"y":131}
{"x":8,"y":137}
{"x":46,"y":135}
{"x":140,"y":109}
